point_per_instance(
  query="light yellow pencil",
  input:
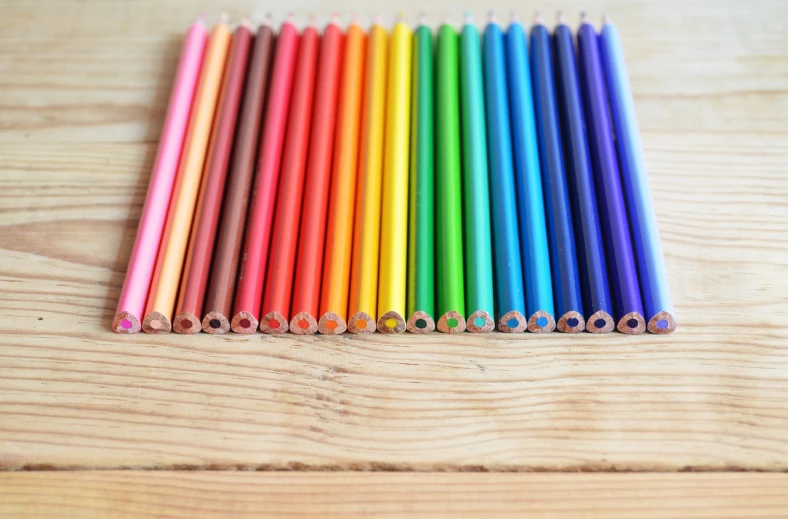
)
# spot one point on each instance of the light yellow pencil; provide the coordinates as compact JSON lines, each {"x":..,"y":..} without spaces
{"x":366,"y":235}
{"x":394,"y":210}
{"x":169,"y":264}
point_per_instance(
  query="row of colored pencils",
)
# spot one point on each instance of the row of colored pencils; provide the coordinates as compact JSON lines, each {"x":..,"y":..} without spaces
{"x":396,"y":180}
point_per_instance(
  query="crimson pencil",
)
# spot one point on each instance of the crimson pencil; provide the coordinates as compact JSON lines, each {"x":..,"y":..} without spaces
{"x":312,"y":235}
{"x":209,"y":202}
{"x":221,"y":285}
{"x":248,"y":298}
{"x":279,"y":279}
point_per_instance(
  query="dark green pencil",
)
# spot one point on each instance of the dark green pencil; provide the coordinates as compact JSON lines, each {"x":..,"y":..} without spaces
{"x":421,"y":210}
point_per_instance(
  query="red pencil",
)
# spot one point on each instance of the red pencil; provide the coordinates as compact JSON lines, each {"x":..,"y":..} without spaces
{"x":312,"y":236}
{"x":248,"y":298}
{"x":279,"y":279}
{"x":188,"y":311}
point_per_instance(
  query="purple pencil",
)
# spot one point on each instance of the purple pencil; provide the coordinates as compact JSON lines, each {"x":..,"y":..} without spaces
{"x":627,"y":302}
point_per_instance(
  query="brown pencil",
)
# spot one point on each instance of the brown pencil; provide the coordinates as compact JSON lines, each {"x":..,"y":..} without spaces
{"x":209,"y":202}
{"x":221,"y":284}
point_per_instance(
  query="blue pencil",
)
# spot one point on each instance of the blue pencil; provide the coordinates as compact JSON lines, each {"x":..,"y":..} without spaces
{"x":533,"y":228}
{"x":563,"y":257}
{"x":509,"y":297}
{"x":588,"y":235}
{"x":643,"y":220}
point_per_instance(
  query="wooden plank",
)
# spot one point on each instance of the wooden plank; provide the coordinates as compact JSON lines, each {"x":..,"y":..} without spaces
{"x":215,"y":495}
{"x":82,"y":94}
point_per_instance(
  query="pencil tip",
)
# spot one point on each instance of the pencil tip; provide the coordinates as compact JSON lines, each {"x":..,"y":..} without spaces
{"x":200,"y":19}
{"x":224,"y":17}
{"x":423,"y":18}
{"x":606,"y":19}
{"x":491,"y":18}
{"x":377,"y":20}
{"x":247,"y":23}
{"x":560,"y":19}
{"x":468,"y":18}
{"x":538,"y":18}
{"x":583,"y":17}
{"x":513,"y":16}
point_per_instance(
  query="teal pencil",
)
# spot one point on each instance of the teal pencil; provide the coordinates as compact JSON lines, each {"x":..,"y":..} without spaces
{"x":476,"y":189}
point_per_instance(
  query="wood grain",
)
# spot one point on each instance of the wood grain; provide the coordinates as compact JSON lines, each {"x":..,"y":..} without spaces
{"x":82,"y":93}
{"x":214,"y":495}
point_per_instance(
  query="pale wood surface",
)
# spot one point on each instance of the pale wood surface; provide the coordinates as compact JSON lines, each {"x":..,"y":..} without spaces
{"x":215,"y":495}
{"x":83,"y":87}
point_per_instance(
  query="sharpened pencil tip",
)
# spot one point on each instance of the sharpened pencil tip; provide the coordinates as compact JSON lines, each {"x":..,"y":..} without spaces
{"x":334,"y":19}
{"x":268,"y":20}
{"x":247,"y":22}
{"x":468,"y":18}
{"x":224,"y":17}
{"x":538,"y":18}
{"x":311,"y":21}
{"x":513,"y":16}
{"x":200,"y":19}
{"x":560,"y":19}
{"x":606,"y":19}
{"x":583,"y":17}
{"x":377,"y":20}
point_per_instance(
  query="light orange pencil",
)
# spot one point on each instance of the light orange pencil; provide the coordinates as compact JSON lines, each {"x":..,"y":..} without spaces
{"x":169,"y":264}
{"x":339,"y":233}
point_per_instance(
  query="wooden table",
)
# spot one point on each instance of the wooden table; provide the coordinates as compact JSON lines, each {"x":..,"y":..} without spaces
{"x":83,"y":89}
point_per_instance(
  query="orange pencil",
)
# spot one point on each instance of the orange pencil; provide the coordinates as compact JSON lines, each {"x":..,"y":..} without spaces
{"x":339,"y":237}
{"x":279,"y":280}
{"x":312,"y":236}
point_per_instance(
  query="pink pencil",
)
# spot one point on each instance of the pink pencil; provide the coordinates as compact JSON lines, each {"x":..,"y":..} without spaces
{"x":254,"y":259}
{"x":143,"y":257}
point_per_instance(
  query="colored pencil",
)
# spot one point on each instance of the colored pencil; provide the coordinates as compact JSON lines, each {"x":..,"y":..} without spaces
{"x":582,"y":192}
{"x":134,"y":294}
{"x":642,"y":217}
{"x":224,"y":271}
{"x":188,"y":311}
{"x":248,"y":298}
{"x":339,"y":233}
{"x":169,"y":264}
{"x":312,"y":235}
{"x":281,"y":259}
{"x":566,"y":285}
{"x":363,"y":297}
{"x":509,"y":296}
{"x":627,"y":303}
{"x":421,"y":196}
{"x":535,"y":253}
{"x":450,"y":276}
{"x":479,"y":301}
{"x":618,"y":246}
{"x":394,"y":209}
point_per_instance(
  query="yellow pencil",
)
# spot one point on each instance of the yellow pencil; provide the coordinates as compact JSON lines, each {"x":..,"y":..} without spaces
{"x":394,"y":210}
{"x":366,"y":234}
{"x":169,"y":263}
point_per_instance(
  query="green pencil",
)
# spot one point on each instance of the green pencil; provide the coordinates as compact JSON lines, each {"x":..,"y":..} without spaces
{"x":451,"y":285}
{"x":421,"y":211}
{"x":476,"y":188}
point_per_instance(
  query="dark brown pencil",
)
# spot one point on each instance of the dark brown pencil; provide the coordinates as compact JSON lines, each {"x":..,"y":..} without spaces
{"x":188,"y":311}
{"x":221,"y":284}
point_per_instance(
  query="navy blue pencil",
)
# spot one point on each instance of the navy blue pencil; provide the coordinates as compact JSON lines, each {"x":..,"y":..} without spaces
{"x":563,"y":257}
{"x":590,"y":248}
{"x":509,"y":296}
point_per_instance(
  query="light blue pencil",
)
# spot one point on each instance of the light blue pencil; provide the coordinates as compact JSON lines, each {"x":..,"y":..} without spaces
{"x":643,"y":220}
{"x":533,"y":228}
